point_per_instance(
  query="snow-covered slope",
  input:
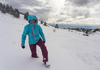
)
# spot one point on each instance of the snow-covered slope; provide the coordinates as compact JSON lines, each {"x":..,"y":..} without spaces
{"x":67,"y":50}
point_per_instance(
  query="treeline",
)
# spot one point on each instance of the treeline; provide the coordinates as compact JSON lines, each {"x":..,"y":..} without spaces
{"x":45,"y":24}
{"x":10,"y":10}
{"x":85,"y":31}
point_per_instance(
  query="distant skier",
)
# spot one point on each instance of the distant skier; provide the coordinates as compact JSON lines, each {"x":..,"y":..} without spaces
{"x":34,"y":31}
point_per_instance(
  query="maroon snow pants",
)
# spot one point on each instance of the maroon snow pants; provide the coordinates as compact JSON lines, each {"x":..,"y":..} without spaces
{"x":41,"y":44}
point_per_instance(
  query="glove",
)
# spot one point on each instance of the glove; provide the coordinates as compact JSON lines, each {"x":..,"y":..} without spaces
{"x":23,"y":47}
{"x":44,"y":41}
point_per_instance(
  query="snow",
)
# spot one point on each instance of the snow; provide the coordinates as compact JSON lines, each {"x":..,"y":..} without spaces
{"x":67,"y":50}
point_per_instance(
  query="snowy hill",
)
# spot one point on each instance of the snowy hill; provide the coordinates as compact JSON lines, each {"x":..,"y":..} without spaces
{"x":67,"y":50}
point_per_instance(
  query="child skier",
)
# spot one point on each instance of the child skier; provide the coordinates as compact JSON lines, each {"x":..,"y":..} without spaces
{"x":34,"y":31}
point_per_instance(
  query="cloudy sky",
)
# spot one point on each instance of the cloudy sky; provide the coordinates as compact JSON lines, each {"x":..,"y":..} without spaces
{"x":61,"y":11}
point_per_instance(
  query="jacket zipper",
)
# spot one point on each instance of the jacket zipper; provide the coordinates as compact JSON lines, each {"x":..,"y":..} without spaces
{"x":33,"y":33}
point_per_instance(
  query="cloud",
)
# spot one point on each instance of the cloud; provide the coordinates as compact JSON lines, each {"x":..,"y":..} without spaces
{"x":80,"y":10}
{"x":84,"y":2}
{"x":35,"y":7}
{"x":25,"y":2}
{"x":97,"y":8}
{"x":43,"y":13}
{"x":80,"y":2}
{"x":80,"y":13}
{"x":70,"y":11}
{"x":61,"y":20}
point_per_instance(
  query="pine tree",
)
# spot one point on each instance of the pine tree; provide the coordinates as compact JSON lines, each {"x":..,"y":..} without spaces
{"x":41,"y":22}
{"x":56,"y":26}
{"x":11,"y":10}
{"x":16,"y":13}
{"x":26,"y":15}
{"x":45,"y":23}
{"x":7,"y":8}
{"x":3,"y":10}
{"x":0,"y":6}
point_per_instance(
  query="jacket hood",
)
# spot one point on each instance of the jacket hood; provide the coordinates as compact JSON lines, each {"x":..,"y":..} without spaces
{"x":32,"y":17}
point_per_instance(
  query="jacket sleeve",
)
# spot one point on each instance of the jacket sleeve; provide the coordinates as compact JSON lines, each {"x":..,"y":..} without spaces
{"x":25,"y":32}
{"x":41,"y":33}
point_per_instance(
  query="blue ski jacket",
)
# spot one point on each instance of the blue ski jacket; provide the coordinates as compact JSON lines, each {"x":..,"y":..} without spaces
{"x":33,"y":30}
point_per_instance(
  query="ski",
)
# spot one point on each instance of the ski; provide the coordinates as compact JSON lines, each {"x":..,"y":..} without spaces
{"x":46,"y":65}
